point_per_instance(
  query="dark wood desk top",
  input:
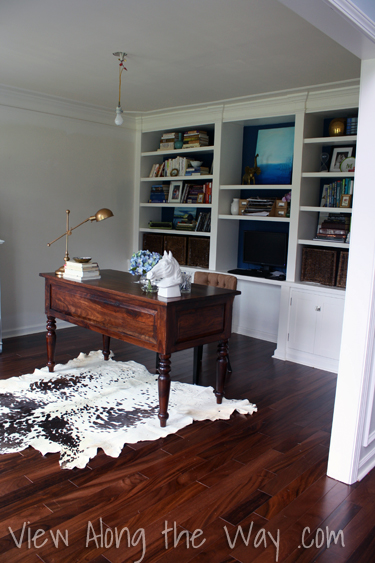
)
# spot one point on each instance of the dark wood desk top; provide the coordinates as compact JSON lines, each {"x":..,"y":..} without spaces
{"x":123,"y":283}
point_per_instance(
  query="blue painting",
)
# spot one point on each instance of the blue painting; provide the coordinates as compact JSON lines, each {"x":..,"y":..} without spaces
{"x":275,"y":160}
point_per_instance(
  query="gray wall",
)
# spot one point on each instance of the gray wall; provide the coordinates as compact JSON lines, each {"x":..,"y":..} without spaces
{"x":49,"y":164}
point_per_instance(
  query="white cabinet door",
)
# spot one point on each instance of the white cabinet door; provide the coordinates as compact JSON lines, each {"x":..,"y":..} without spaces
{"x":302,"y":321}
{"x":315,"y":324}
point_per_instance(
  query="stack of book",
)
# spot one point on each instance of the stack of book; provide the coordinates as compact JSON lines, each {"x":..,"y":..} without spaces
{"x":77,"y":271}
{"x":159,"y":193}
{"x":351,"y":125}
{"x":201,"y":170}
{"x":333,"y":227}
{"x":167,"y":141}
{"x":195,"y":138}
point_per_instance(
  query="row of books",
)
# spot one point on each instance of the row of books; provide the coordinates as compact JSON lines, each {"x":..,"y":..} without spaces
{"x":195,"y":138}
{"x":331,"y":193}
{"x":167,"y":141}
{"x":77,"y":271}
{"x":197,"y":193}
{"x":333,"y":227}
{"x":351,"y":125}
{"x":159,"y":193}
{"x":203,"y":222}
{"x":180,"y":165}
{"x":189,"y":220}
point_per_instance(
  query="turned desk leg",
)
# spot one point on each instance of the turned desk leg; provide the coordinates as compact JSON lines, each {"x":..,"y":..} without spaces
{"x":106,"y":345}
{"x":164,"y":385}
{"x":51,"y":342}
{"x":221,"y":370}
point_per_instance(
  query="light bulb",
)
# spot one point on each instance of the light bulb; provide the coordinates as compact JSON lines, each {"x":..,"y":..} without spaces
{"x":119,"y":120}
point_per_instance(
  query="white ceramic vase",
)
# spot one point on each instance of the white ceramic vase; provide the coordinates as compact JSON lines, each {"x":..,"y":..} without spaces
{"x":234,"y":206}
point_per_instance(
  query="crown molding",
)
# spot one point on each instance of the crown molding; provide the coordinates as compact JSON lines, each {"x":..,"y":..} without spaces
{"x":354,"y":15}
{"x":336,"y":98}
{"x":53,"y":105}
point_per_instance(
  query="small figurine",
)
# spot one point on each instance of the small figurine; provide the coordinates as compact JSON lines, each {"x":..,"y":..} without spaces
{"x":249,"y":175}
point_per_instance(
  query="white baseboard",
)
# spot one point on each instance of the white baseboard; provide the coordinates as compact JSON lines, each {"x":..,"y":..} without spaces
{"x":366,"y":464}
{"x":24,"y":331}
{"x":311,"y":360}
{"x":245,"y":331}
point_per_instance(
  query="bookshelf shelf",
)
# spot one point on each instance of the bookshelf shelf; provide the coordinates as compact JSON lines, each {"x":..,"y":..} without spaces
{"x":327,"y":174}
{"x":341,"y":140}
{"x":255,"y":218}
{"x":178,"y":152}
{"x":175,"y":231}
{"x":326,"y":209}
{"x":166,"y":204}
{"x":326,"y":244}
{"x":256,"y":187}
{"x":189,"y":179}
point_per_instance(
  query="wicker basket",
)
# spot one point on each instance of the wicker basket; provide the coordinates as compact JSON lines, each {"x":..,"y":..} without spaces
{"x":178,"y":246}
{"x":199,"y":252}
{"x":153,"y":242}
{"x":343,"y":268}
{"x":319,"y":266}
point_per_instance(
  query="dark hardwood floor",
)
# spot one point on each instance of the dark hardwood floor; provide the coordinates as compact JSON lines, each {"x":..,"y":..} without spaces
{"x":253,"y":488}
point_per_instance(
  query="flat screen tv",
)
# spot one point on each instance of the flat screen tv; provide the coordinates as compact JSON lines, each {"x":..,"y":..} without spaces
{"x":265,"y":250}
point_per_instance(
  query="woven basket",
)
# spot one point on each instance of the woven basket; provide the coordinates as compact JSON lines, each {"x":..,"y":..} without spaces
{"x":178,"y":246}
{"x":199,"y":252}
{"x":319,"y":266}
{"x":343,"y":268}
{"x":153,"y":242}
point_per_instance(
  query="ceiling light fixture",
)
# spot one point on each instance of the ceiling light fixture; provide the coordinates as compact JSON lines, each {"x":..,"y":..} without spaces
{"x":121,"y":57}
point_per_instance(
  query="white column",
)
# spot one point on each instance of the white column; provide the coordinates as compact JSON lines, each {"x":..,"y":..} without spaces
{"x":359,"y":316}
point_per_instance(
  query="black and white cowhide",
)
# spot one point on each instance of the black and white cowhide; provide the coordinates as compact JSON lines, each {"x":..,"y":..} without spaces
{"x":90,"y":403}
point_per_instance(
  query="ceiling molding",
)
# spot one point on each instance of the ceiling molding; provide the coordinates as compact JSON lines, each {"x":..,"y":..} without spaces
{"x":53,"y":105}
{"x":354,"y":15}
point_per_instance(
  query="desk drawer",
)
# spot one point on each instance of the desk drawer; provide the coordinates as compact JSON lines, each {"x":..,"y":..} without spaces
{"x":97,"y":312}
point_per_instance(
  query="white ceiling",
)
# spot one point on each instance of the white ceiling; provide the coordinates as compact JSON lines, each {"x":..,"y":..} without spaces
{"x":180,"y":52}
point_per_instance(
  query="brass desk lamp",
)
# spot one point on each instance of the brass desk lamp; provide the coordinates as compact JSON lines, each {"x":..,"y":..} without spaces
{"x":99,"y":216}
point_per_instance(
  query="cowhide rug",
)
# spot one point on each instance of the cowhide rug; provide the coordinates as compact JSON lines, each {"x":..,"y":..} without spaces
{"x":90,"y":403}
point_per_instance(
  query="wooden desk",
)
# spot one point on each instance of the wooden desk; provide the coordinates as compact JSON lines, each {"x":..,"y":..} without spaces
{"x":115,"y":306}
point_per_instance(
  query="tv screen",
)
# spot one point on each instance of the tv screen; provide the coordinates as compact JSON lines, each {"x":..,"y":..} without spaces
{"x":266,"y":249}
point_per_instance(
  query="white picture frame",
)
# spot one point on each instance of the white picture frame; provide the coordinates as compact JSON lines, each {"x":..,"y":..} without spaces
{"x":338,"y":155}
{"x":175,"y":192}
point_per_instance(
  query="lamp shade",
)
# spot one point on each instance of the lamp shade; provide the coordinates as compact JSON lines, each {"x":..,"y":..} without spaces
{"x":101,"y":215}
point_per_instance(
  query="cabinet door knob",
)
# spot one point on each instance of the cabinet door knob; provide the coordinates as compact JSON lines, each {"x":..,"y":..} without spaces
{"x":318,"y":308}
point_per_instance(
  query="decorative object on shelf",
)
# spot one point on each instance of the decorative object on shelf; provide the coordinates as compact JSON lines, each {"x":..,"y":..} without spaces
{"x":250,"y":172}
{"x":121,"y":55}
{"x":324,"y":158}
{"x":196,"y":163}
{"x":234,"y":206}
{"x":179,"y":143}
{"x":346,"y":200}
{"x":339,"y":154}
{"x":99,"y":216}
{"x":336,"y":127}
{"x":275,"y":147}
{"x":141,"y":263}
{"x":168,"y":271}
{"x":174,"y":172}
{"x":185,"y":218}
{"x":185,"y":285}
{"x":175,"y":192}
{"x":348,"y":164}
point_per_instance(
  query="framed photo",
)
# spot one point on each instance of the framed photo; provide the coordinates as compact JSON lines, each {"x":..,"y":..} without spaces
{"x":175,"y":192}
{"x":200,"y":198}
{"x":338,"y":155}
{"x":346,"y":200}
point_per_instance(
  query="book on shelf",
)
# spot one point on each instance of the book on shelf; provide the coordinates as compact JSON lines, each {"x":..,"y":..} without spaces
{"x":258,"y":206}
{"x":203,"y":222}
{"x":159,"y":193}
{"x":164,"y":146}
{"x":200,"y":171}
{"x":331,"y":193}
{"x":332,"y":227}
{"x":351,"y":125}
{"x":195,"y":138}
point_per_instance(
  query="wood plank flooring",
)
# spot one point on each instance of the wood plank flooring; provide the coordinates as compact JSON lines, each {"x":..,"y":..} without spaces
{"x":253,"y":488}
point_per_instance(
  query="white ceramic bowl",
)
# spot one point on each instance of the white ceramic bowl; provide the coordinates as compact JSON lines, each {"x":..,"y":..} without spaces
{"x":196,"y":163}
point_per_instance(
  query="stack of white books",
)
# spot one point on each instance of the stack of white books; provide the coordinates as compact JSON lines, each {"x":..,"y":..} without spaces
{"x":78,"y":271}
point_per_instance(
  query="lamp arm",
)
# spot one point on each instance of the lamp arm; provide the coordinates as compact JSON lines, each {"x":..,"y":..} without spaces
{"x":69,"y":232}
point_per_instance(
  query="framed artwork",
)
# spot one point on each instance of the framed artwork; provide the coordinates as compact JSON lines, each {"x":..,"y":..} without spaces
{"x":200,"y":198}
{"x":175,"y":192}
{"x":275,"y":148}
{"x":346,"y":200}
{"x":339,"y":154}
